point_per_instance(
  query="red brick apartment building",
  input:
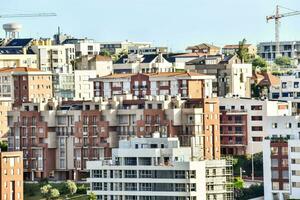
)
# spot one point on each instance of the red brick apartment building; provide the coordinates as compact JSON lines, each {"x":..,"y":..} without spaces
{"x":58,"y":137}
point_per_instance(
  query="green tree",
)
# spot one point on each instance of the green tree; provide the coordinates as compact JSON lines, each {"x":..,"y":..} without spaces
{"x":283,"y":61}
{"x":259,"y":64}
{"x":238,"y":183}
{"x":54,"y":193}
{"x":92,"y":196}
{"x":3,"y":145}
{"x":45,"y":191}
{"x":242,"y":52}
{"x":71,"y":187}
{"x":105,"y":53}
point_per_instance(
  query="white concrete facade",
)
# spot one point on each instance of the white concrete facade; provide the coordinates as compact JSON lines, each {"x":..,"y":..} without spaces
{"x":156,"y":168}
{"x":84,"y":87}
{"x":256,"y":129}
{"x":284,"y":130}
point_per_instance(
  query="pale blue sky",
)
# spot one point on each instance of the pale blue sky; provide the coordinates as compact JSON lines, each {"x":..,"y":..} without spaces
{"x":175,"y":23}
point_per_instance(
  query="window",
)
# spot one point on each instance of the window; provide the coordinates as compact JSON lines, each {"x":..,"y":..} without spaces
{"x":257,"y":128}
{"x":274,"y":150}
{"x":275,"y":174}
{"x":284,"y":163}
{"x":274,"y":125}
{"x":285,"y":174}
{"x":295,"y":149}
{"x":295,"y":161}
{"x":296,"y":84}
{"x":257,"y":107}
{"x":96,"y":186}
{"x":256,"y":118}
{"x":296,"y":184}
{"x":274,"y":163}
{"x":275,"y":185}
{"x":283,"y":85}
{"x":97,"y":173}
{"x":284,"y":151}
{"x":289,"y":125}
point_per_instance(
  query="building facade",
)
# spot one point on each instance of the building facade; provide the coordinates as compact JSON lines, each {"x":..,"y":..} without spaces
{"x":59,"y":137}
{"x":116,"y":48}
{"x":288,"y":89}
{"x":282,"y":158}
{"x":185,"y":84}
{"x":232,"y":76}
{"x":232,"y":49}
{"x":159,"y":168}
{"x":291,"y":49}
{"x":243,"y":123}
{"x":11,"y":179}
{"x":22,"y":84}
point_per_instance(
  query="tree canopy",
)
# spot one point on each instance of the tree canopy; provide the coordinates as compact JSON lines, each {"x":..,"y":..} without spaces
{"x":259,"y":64}
{"x":242,"y":52}
{"x":283,"y":61}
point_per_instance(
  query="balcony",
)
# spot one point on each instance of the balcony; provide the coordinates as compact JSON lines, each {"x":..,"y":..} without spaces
{"x":233,"y":133}
{"x":233,"y":123}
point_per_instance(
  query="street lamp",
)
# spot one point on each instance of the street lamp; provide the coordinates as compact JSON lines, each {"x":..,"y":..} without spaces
{"x":241,"y":172}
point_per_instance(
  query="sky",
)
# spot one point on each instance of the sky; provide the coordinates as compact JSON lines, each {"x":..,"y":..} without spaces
{"x":173,"y":23}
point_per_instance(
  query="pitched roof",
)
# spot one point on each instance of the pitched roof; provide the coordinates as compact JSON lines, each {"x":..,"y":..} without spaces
{"x":202,"y":46}
{"x":149,"y":58}
{"x":266,"y":79}
{"x":18,"y":69}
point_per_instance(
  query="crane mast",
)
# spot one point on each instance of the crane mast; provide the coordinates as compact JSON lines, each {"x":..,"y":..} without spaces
{"x":277,"y":18}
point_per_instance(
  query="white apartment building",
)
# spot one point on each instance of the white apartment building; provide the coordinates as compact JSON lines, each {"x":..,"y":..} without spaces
{"x":51,"y":57}
{"x":257,"y":112}
{"x":63,"y":82}
{"x":291,"y":49}
{"x":84,"y":87}
{"x":118,"y":47}
{"x":282,"y":158}
{"x":158,"y":168}
{"x":84,"y":46}
{"x":288,"y":90}
{"x":147,"y":50}
{"x":90,"y":67}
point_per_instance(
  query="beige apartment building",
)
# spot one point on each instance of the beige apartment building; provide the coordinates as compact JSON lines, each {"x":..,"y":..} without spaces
{"x":23,"y":84}
{"x":11,"y":175}
{"x":59,"y":137}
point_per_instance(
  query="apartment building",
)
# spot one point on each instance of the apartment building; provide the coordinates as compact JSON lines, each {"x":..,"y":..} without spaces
{"x":22,"y":84}
{"x":86,"y":68}
{"x":63,"y":82}
{"x":287,"y":89}
{"x":291,"y":49}
{"x":143,"y":63}
{"x":84,"y":46}
{"x":204,"y":49}
{"x":158,"y":168}
{"x":59,"y":137}
{"x":232,"y":76}
{"x":17,"y":53}
{"x":53,"y":57}
{"x":11,"y":175}
{"x":121,"y":47}
{"x":141,"y":50}
{"x":243,"y":123}
{"x":185,"y":84}
{"x":264,"y":81}
{"x":5,"y":106}
{"x":282,"y":158}
{"x":231,"y":49}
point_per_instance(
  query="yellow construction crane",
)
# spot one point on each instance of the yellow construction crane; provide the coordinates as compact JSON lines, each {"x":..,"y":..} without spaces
{"x":277,"y":18}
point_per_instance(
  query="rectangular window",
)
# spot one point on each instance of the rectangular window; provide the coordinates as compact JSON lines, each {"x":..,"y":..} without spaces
{"x":257,"y":128}
{"x":257,"y":107}
{"x":256,"y":118}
